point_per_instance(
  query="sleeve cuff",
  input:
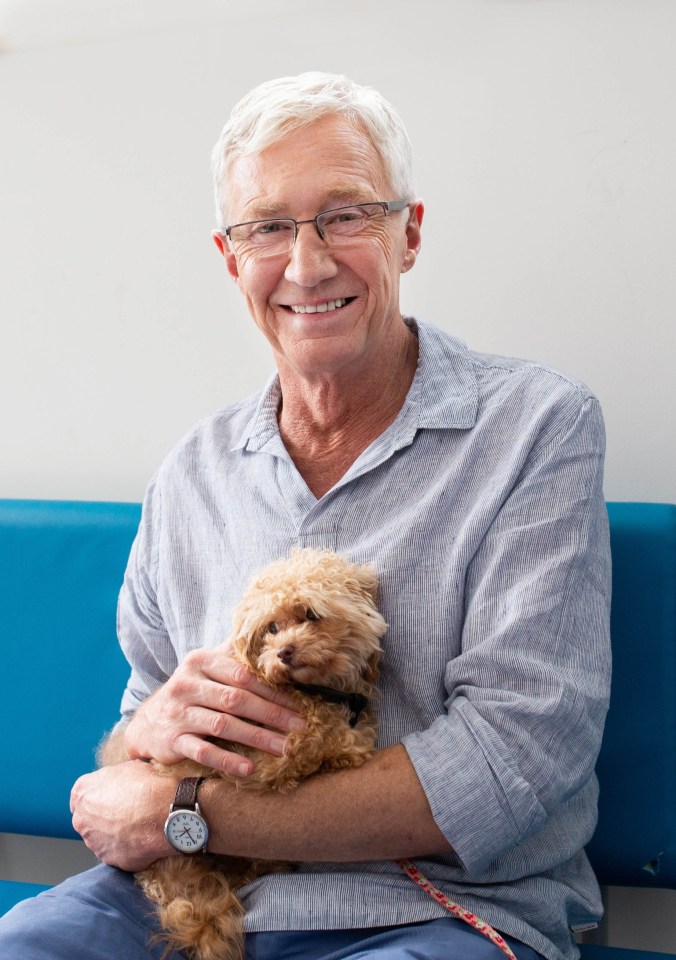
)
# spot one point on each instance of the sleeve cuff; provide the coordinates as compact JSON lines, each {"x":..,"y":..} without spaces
{"x":477,"y":796}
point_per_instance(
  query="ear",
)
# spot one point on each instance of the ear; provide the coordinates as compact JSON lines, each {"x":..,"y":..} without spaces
{"x":226,"y":252}
{"x":413,"y":237}
{"x":246,"y":630}
{"x":246,"y":645}
{"x":368,"y":582}
{"x":370,"y":673}
{"x":239,"y":641}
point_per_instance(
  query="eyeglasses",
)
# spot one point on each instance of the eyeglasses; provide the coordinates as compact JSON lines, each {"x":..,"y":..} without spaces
{"x":341,"y":225}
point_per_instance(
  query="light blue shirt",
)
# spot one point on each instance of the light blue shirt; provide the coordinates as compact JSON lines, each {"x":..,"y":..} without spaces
{"x":482,"y":509}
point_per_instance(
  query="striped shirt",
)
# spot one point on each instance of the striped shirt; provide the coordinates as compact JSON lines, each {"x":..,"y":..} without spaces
{"x":482,"y":510}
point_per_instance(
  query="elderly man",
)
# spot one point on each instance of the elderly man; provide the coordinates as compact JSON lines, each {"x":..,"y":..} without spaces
{"x":472,"y":482}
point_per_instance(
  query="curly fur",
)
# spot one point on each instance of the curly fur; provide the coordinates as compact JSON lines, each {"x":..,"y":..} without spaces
{"x":310,"y":618}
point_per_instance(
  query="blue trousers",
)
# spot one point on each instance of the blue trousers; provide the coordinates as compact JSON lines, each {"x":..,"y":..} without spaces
{"x":102,"y":915}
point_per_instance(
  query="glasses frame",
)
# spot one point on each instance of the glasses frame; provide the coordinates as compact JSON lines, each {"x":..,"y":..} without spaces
{"x":389,"y":206}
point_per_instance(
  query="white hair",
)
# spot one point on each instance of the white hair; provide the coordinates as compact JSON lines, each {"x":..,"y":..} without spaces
{"x":281,"y":106}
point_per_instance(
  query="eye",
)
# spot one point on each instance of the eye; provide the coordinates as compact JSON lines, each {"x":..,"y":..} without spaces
{"x":273,"y":628}
{"x":344,"y":217}
{"x":348,"y":215}
{"x":311,"y":615}
{"x":268,"y":227}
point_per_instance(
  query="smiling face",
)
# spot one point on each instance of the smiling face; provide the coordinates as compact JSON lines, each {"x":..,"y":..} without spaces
{"x":323,"y":309}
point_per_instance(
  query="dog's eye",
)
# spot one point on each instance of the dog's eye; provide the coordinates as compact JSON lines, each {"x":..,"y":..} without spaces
{"x":311,"y":615}
{"x":273,"y":628}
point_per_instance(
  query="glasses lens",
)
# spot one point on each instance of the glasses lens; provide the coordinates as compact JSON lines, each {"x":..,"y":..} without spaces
{"x":346,"y":222}
{"x":264,"y":237}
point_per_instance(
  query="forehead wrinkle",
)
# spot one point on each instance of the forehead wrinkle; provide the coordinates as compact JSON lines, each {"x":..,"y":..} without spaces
{"x":265,"y":185}
{"x":335,"y":197}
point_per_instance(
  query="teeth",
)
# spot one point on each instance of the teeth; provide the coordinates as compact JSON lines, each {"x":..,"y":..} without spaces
{"x":321,"y":307}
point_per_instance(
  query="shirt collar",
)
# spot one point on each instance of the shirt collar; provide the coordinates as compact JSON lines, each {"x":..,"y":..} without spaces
{"x":445,"y":388}
{"x":262,"y":426}
{"x":444,"y":394}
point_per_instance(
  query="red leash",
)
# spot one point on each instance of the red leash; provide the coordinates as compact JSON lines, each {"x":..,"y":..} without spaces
{"x":412,"y":871}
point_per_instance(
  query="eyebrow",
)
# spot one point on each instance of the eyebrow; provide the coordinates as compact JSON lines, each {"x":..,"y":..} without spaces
{"x":340,"y":196}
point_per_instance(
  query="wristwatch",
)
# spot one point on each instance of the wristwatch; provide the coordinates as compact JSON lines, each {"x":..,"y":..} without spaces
{"x":186,"y":829}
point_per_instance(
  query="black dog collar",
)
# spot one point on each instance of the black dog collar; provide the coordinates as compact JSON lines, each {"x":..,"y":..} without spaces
{"x":355,"y":701}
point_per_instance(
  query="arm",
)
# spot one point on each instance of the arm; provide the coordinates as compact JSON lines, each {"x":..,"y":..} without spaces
{"x":170,"y":709}
{"x":376,"y":812}
{"x":509,"y":768}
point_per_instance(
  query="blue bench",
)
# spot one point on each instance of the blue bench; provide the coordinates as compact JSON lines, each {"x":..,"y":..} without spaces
{"x":61,"y":565}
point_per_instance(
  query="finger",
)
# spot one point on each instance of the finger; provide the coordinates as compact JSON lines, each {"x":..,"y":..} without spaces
{"x":229,"y":672}
{"x":224,"y":726}
{"x":231,"y":688}
{"x":239,"y":699}
{"x":210,"y":755}
{"x":247,"y":704}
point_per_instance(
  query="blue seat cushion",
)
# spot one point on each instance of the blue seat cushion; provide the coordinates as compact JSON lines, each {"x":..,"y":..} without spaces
{"x":12,"y":891}
{"x":61,"y":568}
{"x":635,"y":843}
{"x":590,"y":952}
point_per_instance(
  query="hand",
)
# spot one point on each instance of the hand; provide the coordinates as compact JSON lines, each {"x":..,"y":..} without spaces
{"x":211,"y":695}
{"x":119,"y":812}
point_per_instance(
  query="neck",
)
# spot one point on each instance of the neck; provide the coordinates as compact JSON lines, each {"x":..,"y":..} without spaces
{"x":327,"y":422}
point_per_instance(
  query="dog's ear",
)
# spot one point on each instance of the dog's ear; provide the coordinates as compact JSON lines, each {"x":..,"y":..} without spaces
{"x":247,"y":635}
{"x":241,"y":647}
{"x":371,"y":668}
{"x":368,"y":582}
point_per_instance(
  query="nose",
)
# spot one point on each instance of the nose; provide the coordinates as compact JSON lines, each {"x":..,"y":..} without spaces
{"x":286,"y":655}
{"x":310,"y":260}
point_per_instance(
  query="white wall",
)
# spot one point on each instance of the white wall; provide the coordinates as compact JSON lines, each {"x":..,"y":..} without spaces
{"x":545,"y":138}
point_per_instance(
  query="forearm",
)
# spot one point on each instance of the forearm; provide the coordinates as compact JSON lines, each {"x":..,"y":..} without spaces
{"x":375,"y":812}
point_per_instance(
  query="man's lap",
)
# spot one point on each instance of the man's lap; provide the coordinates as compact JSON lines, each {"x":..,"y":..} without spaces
{"x":103,"y":915}
{"x":97,"y":915}
{"x":446,"y":939}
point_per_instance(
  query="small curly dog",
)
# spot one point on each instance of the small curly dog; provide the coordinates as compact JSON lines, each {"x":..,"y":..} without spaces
{"x":307,"y":624}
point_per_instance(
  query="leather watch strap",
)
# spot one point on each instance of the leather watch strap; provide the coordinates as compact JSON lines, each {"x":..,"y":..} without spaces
{"x":185,"y":797}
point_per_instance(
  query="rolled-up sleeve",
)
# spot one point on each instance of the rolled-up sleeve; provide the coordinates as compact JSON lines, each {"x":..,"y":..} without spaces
{"x":142,"y":632}
{"x":528,"y":693}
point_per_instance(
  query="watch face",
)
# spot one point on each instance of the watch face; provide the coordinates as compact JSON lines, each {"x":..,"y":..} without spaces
{"x":186,"y":831}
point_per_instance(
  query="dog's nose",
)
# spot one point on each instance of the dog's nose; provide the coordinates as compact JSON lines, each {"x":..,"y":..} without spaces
{"x":286,"y":654}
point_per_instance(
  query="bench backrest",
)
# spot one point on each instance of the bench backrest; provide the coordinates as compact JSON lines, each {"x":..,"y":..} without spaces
{"x":61,"y":566}
{"x":635,"y":842}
